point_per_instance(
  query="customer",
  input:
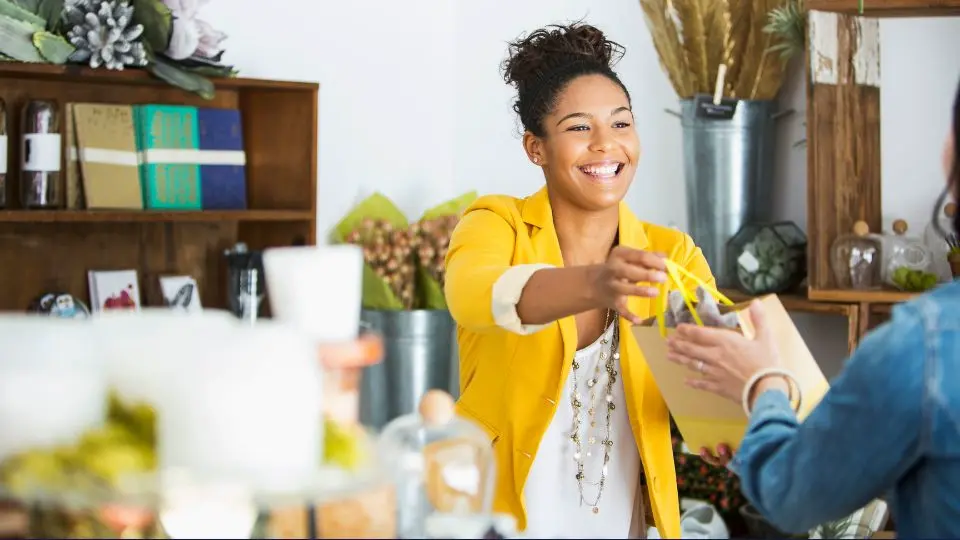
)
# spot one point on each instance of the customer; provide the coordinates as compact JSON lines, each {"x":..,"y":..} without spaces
{"x":538,"y":287}
{"x":891,"y":420}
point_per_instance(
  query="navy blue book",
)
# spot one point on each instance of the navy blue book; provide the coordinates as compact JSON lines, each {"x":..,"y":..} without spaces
{"x":223,"y":180}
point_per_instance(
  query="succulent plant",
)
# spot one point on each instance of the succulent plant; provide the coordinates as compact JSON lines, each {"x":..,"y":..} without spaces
{"x":104,"y":34}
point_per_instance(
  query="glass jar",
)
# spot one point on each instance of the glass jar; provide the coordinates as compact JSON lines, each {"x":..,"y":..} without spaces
{"x":769,"y":258}
{"x":444,"y":467}
{"x":856,"y":258}
{"x":940,"y":247}
{"x":907,"y":263}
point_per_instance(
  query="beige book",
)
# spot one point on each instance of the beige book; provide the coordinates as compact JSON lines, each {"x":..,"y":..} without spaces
{"x":72,"y":179}
{"x":108,"y":156}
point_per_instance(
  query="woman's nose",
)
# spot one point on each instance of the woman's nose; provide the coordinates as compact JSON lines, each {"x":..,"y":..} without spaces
{"x":602,"y":140}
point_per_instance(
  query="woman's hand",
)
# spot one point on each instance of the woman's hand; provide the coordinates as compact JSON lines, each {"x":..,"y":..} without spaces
{"x":725,"y":360}
{"x":617,"y":279}
{"x":718,"y":459}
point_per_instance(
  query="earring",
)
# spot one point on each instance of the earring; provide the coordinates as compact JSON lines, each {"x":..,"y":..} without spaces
{"x":536,"y":160}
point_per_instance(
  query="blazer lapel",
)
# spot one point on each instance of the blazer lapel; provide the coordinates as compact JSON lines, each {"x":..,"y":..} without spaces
{"x":537,"y":213}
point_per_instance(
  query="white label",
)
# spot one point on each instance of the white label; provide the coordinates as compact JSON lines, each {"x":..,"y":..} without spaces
{"x":866,"y":58}
{"x":107,"y":156}
{"x":41,"y":152}
{"x":3,"y":154}
{"x":748,"y":262}
{"x":191,"y":156}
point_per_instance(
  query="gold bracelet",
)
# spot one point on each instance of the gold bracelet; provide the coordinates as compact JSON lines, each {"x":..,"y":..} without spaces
{"x":767,"y":372}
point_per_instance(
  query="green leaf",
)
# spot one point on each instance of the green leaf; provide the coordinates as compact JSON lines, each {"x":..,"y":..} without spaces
{"x":157,"y":21}
{"x":377,"y":294}
{"x":52,"y":13}
{"x":53,"y":48}
{"x":430,"y":290}
{"x":376,"y":206}
{"x":33,"y":6}
{"x":452,"y":207}
{"x":16,"y":40}
{"x":15,"y":11}
{"x":190,"y":82}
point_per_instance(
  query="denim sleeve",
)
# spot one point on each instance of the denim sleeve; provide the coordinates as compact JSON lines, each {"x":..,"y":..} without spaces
{"x":864,"y":434}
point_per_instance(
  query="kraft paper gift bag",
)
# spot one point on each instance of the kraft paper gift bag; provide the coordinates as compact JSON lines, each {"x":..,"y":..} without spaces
{"x":706,"y":420}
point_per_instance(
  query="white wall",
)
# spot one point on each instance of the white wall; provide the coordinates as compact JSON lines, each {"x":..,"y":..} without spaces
{"x":412,"y":104}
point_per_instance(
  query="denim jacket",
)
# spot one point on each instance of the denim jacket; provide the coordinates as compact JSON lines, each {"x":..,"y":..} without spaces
{"x":889,"y":425}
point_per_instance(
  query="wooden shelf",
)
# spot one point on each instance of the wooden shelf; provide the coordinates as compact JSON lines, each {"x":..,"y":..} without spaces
{"x":796,"y":302}
{"x":52,"y":250}
{"x":147,"y":216}
{"x":131,"y":77}
{"x":880,"y":296}
{"x":889,"y":8}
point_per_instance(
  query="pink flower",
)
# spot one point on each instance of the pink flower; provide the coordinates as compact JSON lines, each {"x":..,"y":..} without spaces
{"x":190,"y":35}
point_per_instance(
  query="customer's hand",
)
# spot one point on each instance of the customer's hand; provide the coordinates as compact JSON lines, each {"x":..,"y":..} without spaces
{"x":722,"y":456}
{"x":723,"y":360}
{"x":619,"y":278}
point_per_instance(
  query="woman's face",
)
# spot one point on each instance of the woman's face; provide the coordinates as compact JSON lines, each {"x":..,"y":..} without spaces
{"x":590,"y":151}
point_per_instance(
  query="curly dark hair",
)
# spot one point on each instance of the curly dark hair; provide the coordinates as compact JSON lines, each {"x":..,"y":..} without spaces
{"x":953,"y":180}
{"x":540,"y":65}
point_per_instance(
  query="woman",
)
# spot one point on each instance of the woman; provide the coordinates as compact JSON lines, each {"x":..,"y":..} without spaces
{"x":890,"y":421}
{"x":544,"y":289}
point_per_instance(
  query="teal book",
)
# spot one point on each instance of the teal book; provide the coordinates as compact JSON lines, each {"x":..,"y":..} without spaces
{"x":168,"y":142}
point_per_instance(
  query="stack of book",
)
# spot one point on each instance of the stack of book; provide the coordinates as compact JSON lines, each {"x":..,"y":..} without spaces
{"x":155,"y":157}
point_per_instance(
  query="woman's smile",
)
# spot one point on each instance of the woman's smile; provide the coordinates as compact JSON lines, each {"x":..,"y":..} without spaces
{"x":603,"y":173}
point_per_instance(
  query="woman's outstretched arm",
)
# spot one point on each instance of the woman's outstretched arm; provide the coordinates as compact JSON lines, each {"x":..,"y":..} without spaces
{"x":865,"y":434}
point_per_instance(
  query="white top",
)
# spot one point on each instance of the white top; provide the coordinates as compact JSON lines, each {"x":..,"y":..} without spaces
{"x":552,"y":493}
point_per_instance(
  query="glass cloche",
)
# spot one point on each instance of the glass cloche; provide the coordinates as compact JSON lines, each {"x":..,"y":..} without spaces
{"x":941,"y":247}
{"x":856,"y":258}
{"x":907,"y":263}
{"x":768,"y":258}
{"x":443,"y":467}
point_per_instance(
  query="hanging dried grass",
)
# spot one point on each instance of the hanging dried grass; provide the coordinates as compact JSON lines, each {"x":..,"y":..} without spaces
{"x":693,"y":37}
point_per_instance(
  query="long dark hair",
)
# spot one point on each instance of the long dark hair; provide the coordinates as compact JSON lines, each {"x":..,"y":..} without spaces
{"x":953,"y":180}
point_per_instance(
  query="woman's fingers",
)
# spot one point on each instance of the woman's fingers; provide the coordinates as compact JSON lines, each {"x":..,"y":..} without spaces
{"x":624,"y":310}
{"x":687,"y":350}
{"x":635,"y":273}
{"x":639,"y":257}
{"x":630,"y":289}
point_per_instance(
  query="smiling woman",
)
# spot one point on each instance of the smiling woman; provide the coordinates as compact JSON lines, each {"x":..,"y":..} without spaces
{"x":544,"y":290}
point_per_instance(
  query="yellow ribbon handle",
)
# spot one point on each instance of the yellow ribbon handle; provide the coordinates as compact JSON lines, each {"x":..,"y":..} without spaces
{"x":676,"y":274}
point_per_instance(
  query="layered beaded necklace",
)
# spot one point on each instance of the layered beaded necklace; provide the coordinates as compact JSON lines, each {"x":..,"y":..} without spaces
{"x":609,"y":354}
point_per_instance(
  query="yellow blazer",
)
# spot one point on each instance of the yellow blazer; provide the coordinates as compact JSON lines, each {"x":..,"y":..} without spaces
{"x":510,"y":383}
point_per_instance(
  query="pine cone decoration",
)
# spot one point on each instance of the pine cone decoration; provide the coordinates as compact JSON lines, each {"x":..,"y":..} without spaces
{"x":434,"y":239}
{"x":389,"y":252}
{"x":102,"y":32}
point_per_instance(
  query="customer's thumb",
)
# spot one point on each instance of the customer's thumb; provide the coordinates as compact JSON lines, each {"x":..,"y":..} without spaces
{"x":758,"y":316}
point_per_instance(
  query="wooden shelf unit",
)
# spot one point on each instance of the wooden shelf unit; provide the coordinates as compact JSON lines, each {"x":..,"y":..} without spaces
{"x":889,"y":8}
{"x":52,"y":250}
{"x":843,"y":134}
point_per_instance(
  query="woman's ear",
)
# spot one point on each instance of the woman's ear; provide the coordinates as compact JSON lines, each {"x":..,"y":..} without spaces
{"x":533,"y":145}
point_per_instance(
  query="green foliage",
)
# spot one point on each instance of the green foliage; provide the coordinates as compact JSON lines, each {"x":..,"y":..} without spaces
{"x":51,"y":11}
{"x":53,"y":48}
{"x":157,"y":21}
{"x":788,"y":24}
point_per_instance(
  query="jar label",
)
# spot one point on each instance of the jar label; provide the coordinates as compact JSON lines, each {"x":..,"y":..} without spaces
{"x":41,"y":152}
{"x":3,"y":154}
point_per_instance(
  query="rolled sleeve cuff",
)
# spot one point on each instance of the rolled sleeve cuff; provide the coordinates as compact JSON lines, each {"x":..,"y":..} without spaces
{"x":506,"y":293}
{"x":770,"y":406}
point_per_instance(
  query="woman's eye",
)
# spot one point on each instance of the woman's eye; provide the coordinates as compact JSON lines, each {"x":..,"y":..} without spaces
{"x":621,"y":125}
{"x":578,"y":128}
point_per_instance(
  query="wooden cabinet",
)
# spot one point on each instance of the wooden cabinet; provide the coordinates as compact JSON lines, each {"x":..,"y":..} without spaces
{"x":52,"y":250}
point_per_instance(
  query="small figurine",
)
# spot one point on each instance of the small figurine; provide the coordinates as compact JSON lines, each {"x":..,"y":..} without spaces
{"x":61,"y":305}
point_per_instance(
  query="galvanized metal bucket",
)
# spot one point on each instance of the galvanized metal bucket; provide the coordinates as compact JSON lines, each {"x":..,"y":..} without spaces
{"x":419,"y":355}
{"x":728,"y":166}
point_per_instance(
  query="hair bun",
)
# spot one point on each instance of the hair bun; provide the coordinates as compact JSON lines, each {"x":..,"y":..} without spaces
{"x":531,"y":56}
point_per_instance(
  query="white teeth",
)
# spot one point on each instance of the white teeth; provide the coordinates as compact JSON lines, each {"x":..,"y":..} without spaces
{"x":606,"y":170}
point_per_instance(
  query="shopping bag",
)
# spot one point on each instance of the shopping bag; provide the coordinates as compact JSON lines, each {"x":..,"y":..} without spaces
{"x":706,"y":420}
